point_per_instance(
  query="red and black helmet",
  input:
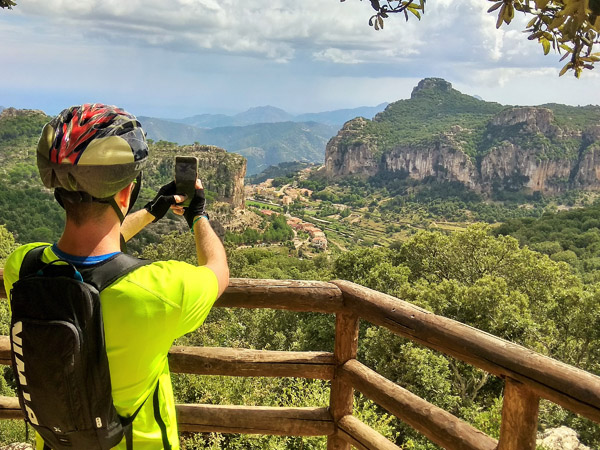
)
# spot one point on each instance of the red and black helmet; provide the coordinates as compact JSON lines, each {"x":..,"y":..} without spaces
{"x":92,"y":148}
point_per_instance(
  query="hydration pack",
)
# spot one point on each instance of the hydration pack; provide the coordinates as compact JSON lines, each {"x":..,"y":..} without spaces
{"x":59,"y":353}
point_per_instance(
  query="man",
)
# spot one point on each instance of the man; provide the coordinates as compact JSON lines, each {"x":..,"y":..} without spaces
{"x":92,"y":155}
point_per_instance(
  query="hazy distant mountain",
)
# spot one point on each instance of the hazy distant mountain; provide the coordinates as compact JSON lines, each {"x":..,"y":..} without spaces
{"x":271,"y":114}
{"x":263,"y":144}
{"x":263,"y":114}
{"x":341,"y":116}
{"x":207,"y":120}
{"x":165,"y":130}
{"x":260,"y":114}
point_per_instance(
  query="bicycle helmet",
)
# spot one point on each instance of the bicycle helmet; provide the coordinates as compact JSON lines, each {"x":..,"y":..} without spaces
{"x":92,"y":148}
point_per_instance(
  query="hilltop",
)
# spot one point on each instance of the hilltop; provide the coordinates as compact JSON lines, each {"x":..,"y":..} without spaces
{"x":442,"y":134}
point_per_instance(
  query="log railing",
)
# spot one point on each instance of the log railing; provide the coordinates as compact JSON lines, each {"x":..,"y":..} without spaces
{"x":528,"y":376}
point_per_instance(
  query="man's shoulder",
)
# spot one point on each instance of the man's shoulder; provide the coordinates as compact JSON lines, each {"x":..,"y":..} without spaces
{"x":15,"y":259}
{"x":164,"y":275}
{"x":13,"y":263}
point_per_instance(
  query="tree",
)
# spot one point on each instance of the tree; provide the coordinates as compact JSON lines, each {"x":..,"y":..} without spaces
{"x":569,"y":26}
{"x":7,"y":4}
{"x":7,"y":244}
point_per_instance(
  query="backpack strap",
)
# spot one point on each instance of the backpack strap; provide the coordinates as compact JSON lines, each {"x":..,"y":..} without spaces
{"x":107,"y":272}
{"x":127,"y":423}
{"x":32,"y":262}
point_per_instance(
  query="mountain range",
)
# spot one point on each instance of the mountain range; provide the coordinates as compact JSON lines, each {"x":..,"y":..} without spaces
{"x":271,"y":114}
{"x":264,"y":135}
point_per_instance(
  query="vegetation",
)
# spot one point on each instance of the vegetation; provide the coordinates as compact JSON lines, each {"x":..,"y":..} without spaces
{"x":475,"y":277}
{"x":285,"y":170}
{"x":276,"y":230}
{"x":569,"y":236}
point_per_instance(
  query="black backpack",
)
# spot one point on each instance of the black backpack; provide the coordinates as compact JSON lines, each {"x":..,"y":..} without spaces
{"x":59,"y":354}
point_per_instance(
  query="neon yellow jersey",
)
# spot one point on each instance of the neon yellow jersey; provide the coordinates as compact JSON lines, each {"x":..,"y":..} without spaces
{"x":143,"y":312}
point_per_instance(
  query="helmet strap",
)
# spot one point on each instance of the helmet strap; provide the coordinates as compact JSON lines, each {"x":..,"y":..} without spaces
{"x":135,"y":192}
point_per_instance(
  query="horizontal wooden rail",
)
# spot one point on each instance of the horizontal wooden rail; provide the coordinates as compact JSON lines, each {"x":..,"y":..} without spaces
{"x":292,"y":295}
{"x":362,"y":436}
{"x":438,"y":425}
{"x":231,"y":419}
{"x":237,"y":362}
{"x":567,"y":386}
{"x":9,"y":408}
{"x":255,"y":420}
{"x":251,"y":363}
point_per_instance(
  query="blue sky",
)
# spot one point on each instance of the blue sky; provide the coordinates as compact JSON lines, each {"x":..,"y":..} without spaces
{"x":185,"y":57}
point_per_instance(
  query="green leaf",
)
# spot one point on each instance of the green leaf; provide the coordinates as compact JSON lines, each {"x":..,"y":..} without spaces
{"x":546,"y":45}
{"x":565,"y":68}
{"x":500,"y":16}
{"x":495,"y":7}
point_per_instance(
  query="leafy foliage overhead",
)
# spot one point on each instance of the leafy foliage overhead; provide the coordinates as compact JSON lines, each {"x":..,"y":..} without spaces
{"x":7,"y":4}
{"x":569,"y":26}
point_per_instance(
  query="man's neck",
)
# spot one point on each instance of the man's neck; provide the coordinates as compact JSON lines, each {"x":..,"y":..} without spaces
{"x":91,"y":238}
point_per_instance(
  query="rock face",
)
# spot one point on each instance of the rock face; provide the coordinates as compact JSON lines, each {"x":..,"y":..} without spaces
{"x":516,"y":148}
{"x":562,"y":438}
{"x":220,"y":171}
{"x":13,"y":112}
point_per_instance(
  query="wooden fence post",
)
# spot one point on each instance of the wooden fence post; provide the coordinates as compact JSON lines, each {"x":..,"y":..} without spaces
{"x":342,"y":395}
{"x":519,"y":417}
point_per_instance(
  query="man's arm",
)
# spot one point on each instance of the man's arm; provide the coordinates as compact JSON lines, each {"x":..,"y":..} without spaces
{"x":135,"y":222}
{"x":151,"y":212}
{"x":210,"y":251}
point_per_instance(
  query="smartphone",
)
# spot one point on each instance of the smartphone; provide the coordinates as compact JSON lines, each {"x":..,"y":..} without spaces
{"x":186,"y":173}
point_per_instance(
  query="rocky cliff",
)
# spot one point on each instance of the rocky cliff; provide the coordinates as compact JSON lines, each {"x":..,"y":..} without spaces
{"x":220,"y":171}
{"x":444,"y":135}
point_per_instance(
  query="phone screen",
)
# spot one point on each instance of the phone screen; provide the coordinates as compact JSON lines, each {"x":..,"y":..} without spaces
{"x":186,"y":173}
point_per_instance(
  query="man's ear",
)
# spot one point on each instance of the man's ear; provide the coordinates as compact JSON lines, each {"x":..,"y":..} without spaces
{"x":123,"y":196}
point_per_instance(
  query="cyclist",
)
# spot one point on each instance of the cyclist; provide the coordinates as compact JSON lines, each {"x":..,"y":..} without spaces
{"x":92,"y":156}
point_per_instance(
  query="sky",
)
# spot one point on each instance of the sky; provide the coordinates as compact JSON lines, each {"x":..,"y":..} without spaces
{"x":179,"y":58}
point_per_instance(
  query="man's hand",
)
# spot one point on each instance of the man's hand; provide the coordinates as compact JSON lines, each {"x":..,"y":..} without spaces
{"x":164,"y":200}
{"x":197,"y":205}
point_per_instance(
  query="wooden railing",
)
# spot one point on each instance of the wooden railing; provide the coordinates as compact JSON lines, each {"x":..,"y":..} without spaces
{"x":528,"y":376}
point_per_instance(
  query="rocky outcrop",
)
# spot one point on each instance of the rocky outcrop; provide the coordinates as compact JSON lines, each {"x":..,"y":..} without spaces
{"x":14,"y":112}
{"x":221,"y":172}
{"x":521,"y":148}
{"x":438,"y":84}
{"x":562,"y":438}
{"x":353,"y":157}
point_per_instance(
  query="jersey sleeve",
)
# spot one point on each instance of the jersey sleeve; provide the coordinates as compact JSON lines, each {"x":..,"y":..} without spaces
{"x":199,"y":293}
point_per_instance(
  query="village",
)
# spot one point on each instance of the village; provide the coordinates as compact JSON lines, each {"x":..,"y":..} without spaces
{"x":283,"y":197}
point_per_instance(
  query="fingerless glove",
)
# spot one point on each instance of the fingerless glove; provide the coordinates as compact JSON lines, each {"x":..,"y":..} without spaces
{"x":160,"y":204}
{"x":196,"y":207}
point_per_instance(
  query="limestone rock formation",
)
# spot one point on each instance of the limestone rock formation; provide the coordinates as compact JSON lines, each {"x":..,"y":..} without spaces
{"x":562,"y":438}
{"x":220,"y":171}
{"x":444,"y":135}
